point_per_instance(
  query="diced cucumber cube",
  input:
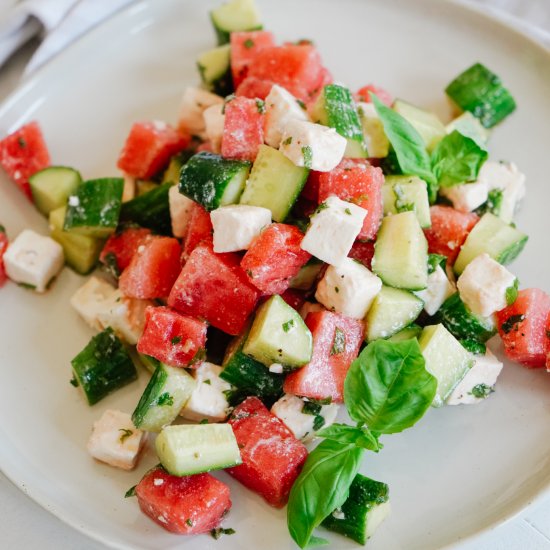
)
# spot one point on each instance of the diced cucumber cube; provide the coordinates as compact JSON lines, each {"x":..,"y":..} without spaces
{"x":407,"y":193}
{"x":412,"y":331}
{"x":234,"y":16}
{"x":468,"y":125}
{"x":215,"y":70}
{"x":52,"y":187}
{"x":376,"y":141}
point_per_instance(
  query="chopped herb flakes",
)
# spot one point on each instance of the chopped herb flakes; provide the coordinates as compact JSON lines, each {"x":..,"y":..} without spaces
{"x":318,"y":422}
{"x":339,"y":344}
{"x":288,"y":140}
{"x":347,"y":211}
{"x":307,"y":153}
{"x":311,"y":408}
{"x":512,"y":323}
{"x":248,"y":43}
{"x":288,"y":325}
{"x":260,"y":105}
{"x":176,"y":340}
{"x":131,"y":492}
{"x":301,"y":104}
{"x":481,"y":391}
{"x":204,"y":421}
{"x":21,"y":142}
{"x":189,"y":522}
{"x":125,"y":434}
{"x":74,"y":382}
{"x":217,"y":533}
{"x":165,"y":400}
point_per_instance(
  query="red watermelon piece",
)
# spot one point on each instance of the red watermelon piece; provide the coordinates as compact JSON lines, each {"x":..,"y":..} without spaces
{"x":148,"y":148}
{"x":522,"y":327}
{"x":323,"y":377}
{"x":294,"y":298}
{"x":253,"y":87}
{"x":122,"y":245}
{"x":214,"y":287}
{"x":362,"y":252}
{"x":363,"y":94}
{"x":449,"y":230}
{"x":205,"y":146}
{"x":244,"y":48}
{"x":272,"y":457}
{"x":274,"y":257}
{"x":23,"y":153}
{"x":174,"y":339}
{"x":153,"y":269}
{"x":3,"y":247}
{"x":199,"y":229}
{"x":186,"y":505}
{"x":547,"y":344}
{"x":243,"y":130}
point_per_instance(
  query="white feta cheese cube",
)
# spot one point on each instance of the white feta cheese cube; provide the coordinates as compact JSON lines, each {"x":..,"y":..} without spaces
{"x":376,"y":141}
{"x":466,"y":196}
{"x":333,"y":230}
{"x":193,"y":104}
{"x":208,"y":400}
{"x":280,"y":107}
{"x":482,"y":285}
{"x":478,"y":382}
{"x":438,"y":290}
{"x":349,"y":288}
{"x":276,"y":368}
{"x":89,"y":300}
{"x":116,"y":441}
{"x":214,"y":121}
{"x":235,"y":226}
{"x":312,"y":145}
{"x":289,"y":409}
{"x":310,"y":307}
{"x":181,"y":208}
{"x":33,"y":259}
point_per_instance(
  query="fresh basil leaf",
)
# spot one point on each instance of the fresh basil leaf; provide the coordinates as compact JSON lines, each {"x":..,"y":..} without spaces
{"x":388,"y":387}
{"x":314,"y":542}
{"x":457,"y":159}
{"x":361,"y":437}
{"x":322,"y":486}
{"x":407,"y":143}
{"x":512,"y":293}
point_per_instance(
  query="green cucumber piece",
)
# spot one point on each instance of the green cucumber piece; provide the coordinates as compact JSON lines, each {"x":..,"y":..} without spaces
{"x":150,"y":209}
{"x":165,"y":395}
{"x":427,"y":124}
{"x":407,"y":193}
{"x":275,"y":182}
{"x":94,"y":209}
{"x":468,"y":125}
{"x":459,"y":320}
{"x":392,"y":310}
{"x":307,"y":275}
{"x":495,"y":237}
{"x":215,"y":70}
{"x":52,"y":187}
{"x":103,"y":366}
{"x":144,"y":186}
{"x":335,"y":108}
{"x":376,"y":141}
{"x":249,"y":376}
{"x":412,"y":331}
{"x":235,"y":16}
{"x":279,"y":335}
{"x":363,"y":511}
{"x":150,"y":363}
{"x":81,"y":252}
{"x":213,"y":181}
{"x":445,"y":358}
{"x":187,"y":450}
{"x":172,"y":173}
{"x":480,"y":91}
{"x":401,"y":252}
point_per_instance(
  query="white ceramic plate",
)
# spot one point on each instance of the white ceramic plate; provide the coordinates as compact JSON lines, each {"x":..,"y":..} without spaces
{"x":461,"y":469}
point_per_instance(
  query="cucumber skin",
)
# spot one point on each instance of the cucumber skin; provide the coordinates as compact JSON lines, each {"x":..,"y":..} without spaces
{"x":156,"y":383}
{"x":103,"y":366}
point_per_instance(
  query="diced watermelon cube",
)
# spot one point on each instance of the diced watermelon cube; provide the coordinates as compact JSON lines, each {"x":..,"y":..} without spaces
{"x":23,"y":153}
{"x":243,"y":130}
{"x":244,"y":47}
{"x":547,"y":346}
{"x":363,"y":94}
{"x":205,"y":146}
{"x":253,"y":87}
{"x":272,"y":457}
{"x":362,"y":252}
{"x":325,"y":78}
{"x":174,"y":339}
{"x":148,"y":148}
{"x":357,"y":181}
{"x":274,"y":257}
{"x":336,"y":343}
{"x":214,"y":287}
{"x":199,"y":229}
{"x":153,"y":269}
{"x":121,"y":247}
{"x":449,"y":230}
{"x":294,"y":298}
{"x":186,"y":505}
{"x":3,"y":247}
{"x":522,"y":327}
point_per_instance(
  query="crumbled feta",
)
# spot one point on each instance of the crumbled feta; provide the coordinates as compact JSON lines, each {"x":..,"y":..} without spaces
{"x":74,"y":200}
{"x":483,"y":284}
{"x":310,"y":307}
{"x":466,"y":196}
{"x":438,"y":290}
{"x":193,"y":104}
{"x":312,"y":145}
{"x":208,"y":400}
{"x":116,"y":441}
{"x":349,"y":288}
{"x":89,"y":300}
{"x":33,"y":259}
{"x":478,"y":381}
{"x":289,"y":410}
{"x":276,"y":368}
{"x":181,"y":208}
{"x":214,"y":121}
{"x":333,"y":230}
{"x":376,"y":141}
{"x":236,"y":226}
{"x":280,"y":107}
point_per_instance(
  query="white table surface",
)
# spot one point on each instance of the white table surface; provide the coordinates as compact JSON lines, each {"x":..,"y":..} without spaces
{"x":24,"y":524}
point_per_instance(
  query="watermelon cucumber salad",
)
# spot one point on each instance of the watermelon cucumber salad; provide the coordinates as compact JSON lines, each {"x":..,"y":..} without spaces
{"x":288,"y":249}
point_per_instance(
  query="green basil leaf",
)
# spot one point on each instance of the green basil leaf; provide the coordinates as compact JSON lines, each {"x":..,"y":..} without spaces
{"x":322,"y":486}
{"x":361,"y":437}
{"x":407,"y":143}
{"x":457,"y":159}
{"x":388,"y":387}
